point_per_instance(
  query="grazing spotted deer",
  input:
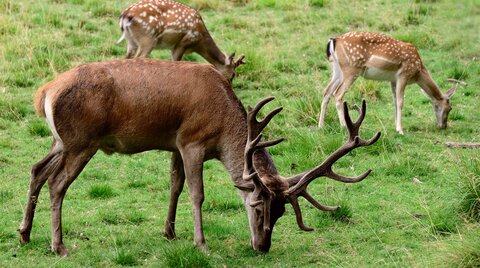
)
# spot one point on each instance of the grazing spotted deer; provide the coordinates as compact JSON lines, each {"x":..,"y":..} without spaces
{"x":190,"y":109}
{"x":167,"y":24}
{"x":379,"y":57}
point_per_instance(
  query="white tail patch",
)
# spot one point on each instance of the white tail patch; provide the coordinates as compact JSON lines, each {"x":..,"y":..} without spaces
{"x":49,"y":116}
{"x":121,"y":37}
{"x":124,"y":24}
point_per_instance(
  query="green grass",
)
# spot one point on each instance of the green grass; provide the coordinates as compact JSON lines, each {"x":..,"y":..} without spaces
{"x":114,"y":212}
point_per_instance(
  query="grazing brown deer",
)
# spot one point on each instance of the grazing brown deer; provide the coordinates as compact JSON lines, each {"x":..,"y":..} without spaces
{"x":171,"y":25}
{"x":190,"y":109}
{"x":379,"y":57}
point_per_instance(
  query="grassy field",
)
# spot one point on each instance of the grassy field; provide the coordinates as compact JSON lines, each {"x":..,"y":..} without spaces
{"x":113,"y":214}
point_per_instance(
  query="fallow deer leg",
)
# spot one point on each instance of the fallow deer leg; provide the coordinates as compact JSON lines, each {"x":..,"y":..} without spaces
{"x":177,"y":180}
{"x":144,"y":49}
{"x":327,"y":94}
{"x":41,"y":171}
{"x":132,"y":46}
{"x":399,"y":96}
{"x":393,"y":86}
{"x":181,"y":47}
{"x":71,"y":165}
{"x":346,"y":84}
{"x":193,"y":157}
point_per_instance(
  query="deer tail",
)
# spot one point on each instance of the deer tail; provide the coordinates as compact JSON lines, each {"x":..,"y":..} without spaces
{"x":330,"y":50}
{"x":124,"y":22}
{"x":39,"y":99}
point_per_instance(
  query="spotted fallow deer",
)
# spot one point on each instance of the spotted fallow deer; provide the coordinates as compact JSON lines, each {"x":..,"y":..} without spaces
{"x":379,"y":57}
{"x":190,"y":109}
{"x":166,"y":24}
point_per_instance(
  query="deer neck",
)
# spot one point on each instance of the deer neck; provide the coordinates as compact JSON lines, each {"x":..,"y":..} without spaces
{"x":429,"y":86}
{"x":210,"y":51}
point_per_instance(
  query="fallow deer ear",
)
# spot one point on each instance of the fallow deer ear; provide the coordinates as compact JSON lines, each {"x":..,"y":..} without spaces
{"x":247,"y":187}
{"x":230,"y":58}
{"x":451,"y":92}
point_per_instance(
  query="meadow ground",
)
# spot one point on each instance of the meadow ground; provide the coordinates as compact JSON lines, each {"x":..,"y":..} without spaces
{"x":114,"y":212}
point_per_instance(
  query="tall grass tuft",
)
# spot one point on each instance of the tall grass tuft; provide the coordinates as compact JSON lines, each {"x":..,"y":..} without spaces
{"x":125,"y":259}
{"x":182,"y":256}
{"x":463,"y":252}
{"x":343,"y":213}
{"x":102,"y":191}
{"x":39,"y":128}
{"x":471,"y":201}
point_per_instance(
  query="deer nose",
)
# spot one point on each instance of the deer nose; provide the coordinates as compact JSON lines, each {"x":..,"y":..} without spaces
{"x":264,"y":248}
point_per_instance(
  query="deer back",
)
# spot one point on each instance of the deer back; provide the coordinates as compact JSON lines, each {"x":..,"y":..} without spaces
{"x":165,"y":21}
{"x":129,"y":106}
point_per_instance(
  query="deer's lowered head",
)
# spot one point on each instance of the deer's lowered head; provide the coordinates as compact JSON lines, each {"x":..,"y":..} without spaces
{"x":270,"y":192}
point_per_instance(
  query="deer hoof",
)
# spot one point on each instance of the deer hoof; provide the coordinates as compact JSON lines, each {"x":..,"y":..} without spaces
{"x":24,"y":238}
{"x":60,"y":250}
{"x":170,"y":235}
{"x":203,"y":247}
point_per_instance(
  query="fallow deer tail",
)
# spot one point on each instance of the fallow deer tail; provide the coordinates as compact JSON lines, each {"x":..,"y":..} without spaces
{"x":330,"y":48}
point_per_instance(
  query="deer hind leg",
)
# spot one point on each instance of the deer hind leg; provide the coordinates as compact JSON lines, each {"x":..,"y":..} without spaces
{"x":132,"y":45}
{"x":71,"y":164}
{"x":338,"y":94}
{"x":328,"y":92}
{"x":193,"y":157}
{"x":145,"y":47}
{"x":41,"y":171}
{"x":142,"y":42}
{"x":177,"y":180}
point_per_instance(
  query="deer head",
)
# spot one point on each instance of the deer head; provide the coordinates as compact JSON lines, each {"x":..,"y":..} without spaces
{"x":228,"y":68}
{"x":269,"y":194}
{"x":442,"y":107}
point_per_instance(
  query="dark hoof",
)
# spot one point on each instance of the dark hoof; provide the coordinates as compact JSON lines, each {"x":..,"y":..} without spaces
{"x":60,"y":250}
{"x":24,"y":238}
{"x":170,"y":235}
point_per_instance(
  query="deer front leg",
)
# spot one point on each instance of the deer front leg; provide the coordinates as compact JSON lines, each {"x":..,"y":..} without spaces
{"x":193,"y":157}
{"x":177,"y":180}
{"x":346,"y":84}
{"x":327,"y":94}
{"x":177,"y":53}
{"x":399,"y":96}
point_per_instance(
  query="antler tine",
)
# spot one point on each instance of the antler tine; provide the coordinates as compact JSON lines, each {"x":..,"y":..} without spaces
{"x":338,"y":177}
{"x":254,"y":129}
{"x":298,"y":187}
{"x":353,"y":128}
{"x":314,"y":202}
{"x":298,"y":213}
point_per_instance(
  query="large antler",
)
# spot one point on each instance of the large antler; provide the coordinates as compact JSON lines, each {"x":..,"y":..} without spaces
{"x":298,"y":185}
{"x":261,"y":192}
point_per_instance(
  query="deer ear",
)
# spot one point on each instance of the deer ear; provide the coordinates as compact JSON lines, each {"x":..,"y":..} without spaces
{"x":230,"y":58}
{"x":451,"y":92}
{"x":247,"y":187}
